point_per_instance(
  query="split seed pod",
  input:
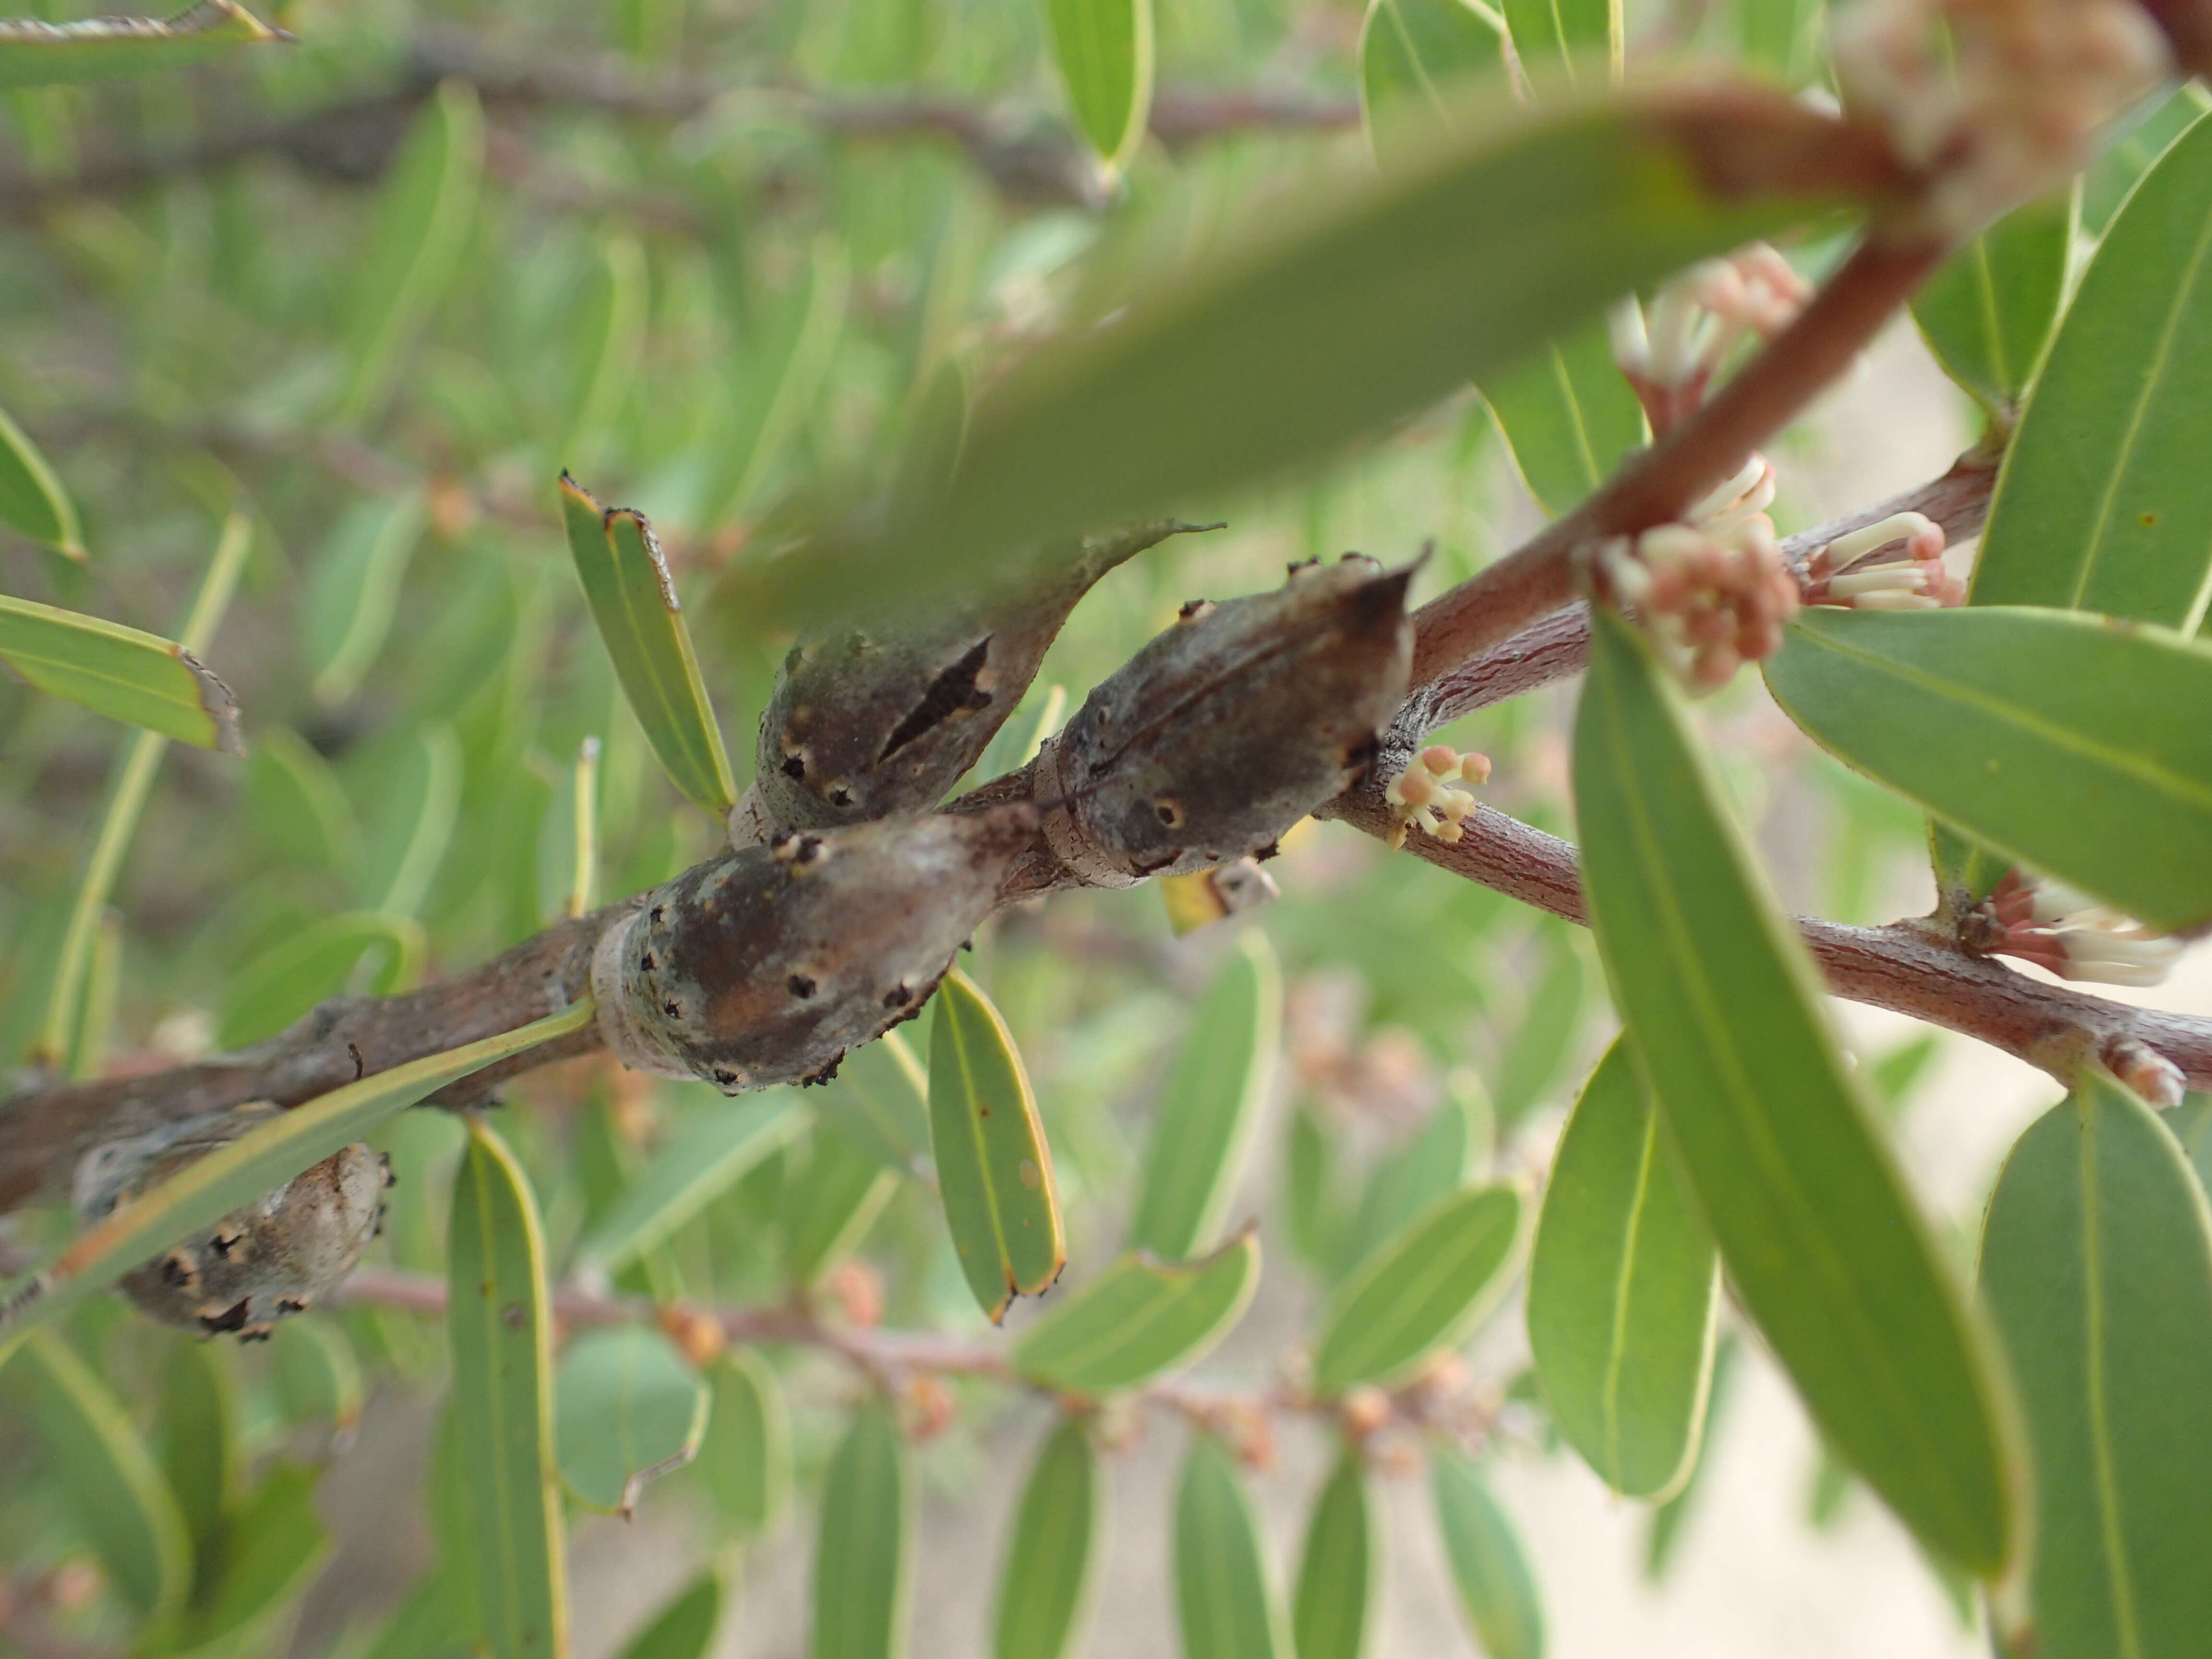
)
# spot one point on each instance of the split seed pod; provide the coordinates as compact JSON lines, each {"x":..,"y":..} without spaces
{"x":765,"y":966}
{"x":1229,"y":727}
{"x":273,"y":1257}
{"x":886,"y":719}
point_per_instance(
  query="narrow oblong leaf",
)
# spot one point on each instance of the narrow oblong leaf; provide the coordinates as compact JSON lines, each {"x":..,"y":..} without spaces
{"x":411,"y":827}
{"x":862,"y":1562}
{"x":613,"y":335}
{"x":1821,"y":1239}
{"x":706,"y":1152}
{"x":2097,"y":1265}
{"x":1413,"y":53}
{"x":268,"y":994}
{"x":127,"y":1511}
{"x":1489,"y":1569}
{"x":1104,"y":50}
{"x":1562,"y":40}
{"x":2059,"y":740}
{"x":1669,"y":1520}
{"x":1424,"y":1290}
{"x":994,"y":1168}
{"x":32,"y":500}
{"x":1202,"y":1134}
{"x":274,"y":1545}
{"x":1624,"y":1290}
{"x":1446,"y":1153}
{"x":1569,"y":417}
{"x":1222,"y":1604}
{"x":139,"y":678}
{"x":880,"y":1098}
{"x":295,"y":800}
{"x":1335,"y":1599}
{"x":1044,"y":1586}
{"x":628,"y":1408}
{"x":1138,"y":1318}
{"x":35,"y":54}
{"x":354,"y":591}
{"x":685,"y":1628}
{"x":831,"y":1204}
{"x":2103,"y":493}
{"x":633,"y":600}
{"x":499,"y":1319}
{"x":1988,"y":312}
{"x":205,"y":1191}
{"x":748,"y":1449}
{"x":318,"y":1374}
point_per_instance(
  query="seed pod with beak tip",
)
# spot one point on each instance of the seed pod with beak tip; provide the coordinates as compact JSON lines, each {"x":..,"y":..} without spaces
{"x":273,"y":1257}
{"x":886,"y":717}
{"x":764,"y":966}
{"x":1229,"y":727}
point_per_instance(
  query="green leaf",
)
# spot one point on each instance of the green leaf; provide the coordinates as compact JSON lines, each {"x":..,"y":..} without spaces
{"x":1424,"y":1290}
{"x":1138,"y":1318}
{"x":2137,"y":140}
{"x":295,"y":800}
{"x":1104,"y":49}
{"x":1359,"y":305}
{"x":272,"y":1548}
{"x":1822,"y":1240}
{"x":138,"y":678}
{"x":1496,"y":1592}
{"x":500,"y":1320}
{"x":1965,"y":872}
{"x":781,"y":384}
{"x":2192,"y":1123}
{"x":35,"y":54}
{"x":707,"y":1152}
{"x":2103,"y":493}
{"x":258,"y":1162}
{"x":2061,"y":741}
{"x":125,"y":1508}
{"x":747,"y":1453}
{"x":1222,"y":1601}
{"x":1624,"y":1288}
{"x":353,"y":593}
{"x":1447,"y":1153}
{"x":32,"y":500}
{"x":831,"y":1204}
{"x":862,"y":1563}
{"x":1545,"y":1034}
{"x":685,"y":1628}
{"x":612,"y":335}
{"x":411,"y":827}
{"x":994,"y":1168}
{"x":2097,"y":1264}
{"x":1044,"y":1588}
{"x":317,"y":1373}
{"x":633,"y":600}
{"x":1783,"y":36}
{"x":1669,"y":1519}
{"x":1202,"y":1134}
{"x":880,"y":1099}
{"x":628,"y":1409}
{"x":1563,"y":40}
{"x":201,"y":1459}
{"x":1413,"y":54}
{"x":1988,"y":312}
{"x":289,"y":978}
{"x":1569,"y":417}
{"x":423,"y":218}
{"x":1333,"y":1607}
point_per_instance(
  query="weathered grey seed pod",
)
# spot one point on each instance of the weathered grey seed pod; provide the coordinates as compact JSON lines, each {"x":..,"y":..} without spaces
{"x":886,"y":718}
{"x":1229,"y":727}
{"x":766,"y":965}
{"x":273,"y":1257}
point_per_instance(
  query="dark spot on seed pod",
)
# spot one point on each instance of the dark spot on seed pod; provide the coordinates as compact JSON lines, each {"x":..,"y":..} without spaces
{"x":1273,"y":849}
{"x":725,"y":1076}
{"x":953,"y":690}
{"x":1358,"y":756}
{"x":646,"y":962}
{"x":291,"y":1304}
{"x":254,"y":1334}
{"x":794,"y":766}
{"x":1297,"y":567}
{"x":177,"y":1269}
{"x":224,"y":1242}
{"x":810,"y":848}
{"x":1170,"y":812}
{"x":671,"y":1011}
{"x":898,"y":996}
{"x":801,"y":986}
{"x":781,"y":839}
{"x":826,"y":1073}
{"x":232,"y":1318}
{"x":1193,"y":609}
{"x":656,"y":911}
{"x":390,"y":1179}
{"x":840,"y":796}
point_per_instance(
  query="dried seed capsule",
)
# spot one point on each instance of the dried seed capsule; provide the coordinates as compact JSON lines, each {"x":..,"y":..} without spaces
{"x":275,"y":1256}
{"x":1229,"y":727}
{"x":766,"y":965}
{"x":886,"y":719}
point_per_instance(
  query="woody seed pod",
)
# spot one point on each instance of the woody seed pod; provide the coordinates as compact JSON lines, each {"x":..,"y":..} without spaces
{"x":1229,"y":727}
{"x":765,"y":966}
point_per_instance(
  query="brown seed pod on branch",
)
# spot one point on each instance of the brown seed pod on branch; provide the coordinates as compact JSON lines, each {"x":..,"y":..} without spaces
{"x":765,"y":966}
{"x":1229,"y":727}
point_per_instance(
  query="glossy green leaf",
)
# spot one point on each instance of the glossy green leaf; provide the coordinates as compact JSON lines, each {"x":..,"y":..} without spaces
{"x":2103,"y":493}
{"x":205,"y":1191}
{"x":1202,"y":1135}
{"x":880,"y":1099}
{"x":1364,"y":302}
{"x":273,"y":1546}
{"x":1821,"y":1239}
{"x":1423,"y":1290}
{"x":829,"y":1206}
{"x":423,"y":218}
{"x":705,"y":1151}
{"x":1413,"y":54}
{"x":1448,"y":1152}
{"x":628,"y":1409}
{"x":2097,"y":1264}
{"x":611,"y":335}
{"x":685,"y":1627}
{"x":109,"y":1479}
{"x":2058,"y":740}
{"x":2133,"y":145}
{"x":499,"y":1319}
{"x":353,"y":593}
{"x":994,"y":1168}
{"x":138,"y":678}
{"x":1334,"y":1602}
{"x":269,"y":993}
{"x":1624,"y":1289}
{"x":36,"y":54}
{"x":1569,"y":417}
{"x":632,"y":595}
{"x":1566,"y":41}
{"x":1052,"y":1556}
{"x":747,"y":1454}
{"x":32,"y":500}
{"x":1104,"y":50}
{"x":1988,"y":312}
{"x":1138,"y":1318}
{"x":862,"y":1562}
{"x":1489,"y":1569}
{"x":1222,"y":1601}
{"x":295,"y":800}
{"x":1669,"y":1520}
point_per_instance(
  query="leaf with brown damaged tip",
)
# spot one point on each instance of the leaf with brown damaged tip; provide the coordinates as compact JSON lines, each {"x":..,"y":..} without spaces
{"x":36,"y":54}
{"x":121,"y":673}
